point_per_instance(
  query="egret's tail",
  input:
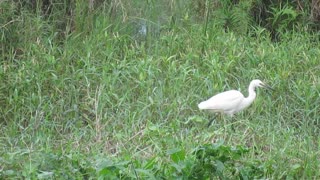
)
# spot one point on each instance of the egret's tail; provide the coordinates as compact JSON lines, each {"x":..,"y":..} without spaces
{"x":202,"y":105}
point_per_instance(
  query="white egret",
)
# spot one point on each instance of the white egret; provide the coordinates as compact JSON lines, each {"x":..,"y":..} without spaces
{"x":233,"y":101}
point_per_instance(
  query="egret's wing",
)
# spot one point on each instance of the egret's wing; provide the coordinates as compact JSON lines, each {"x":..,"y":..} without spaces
{"x":224,"y":101}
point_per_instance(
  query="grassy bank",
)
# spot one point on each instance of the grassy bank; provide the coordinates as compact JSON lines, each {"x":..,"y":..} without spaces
{"x":109,"y":102}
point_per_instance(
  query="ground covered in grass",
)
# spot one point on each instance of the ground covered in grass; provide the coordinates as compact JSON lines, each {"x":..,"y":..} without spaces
{"x":104,"y":104}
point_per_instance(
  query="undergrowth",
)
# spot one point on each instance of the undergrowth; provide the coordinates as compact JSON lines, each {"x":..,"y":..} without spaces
{"x":111,"y":102}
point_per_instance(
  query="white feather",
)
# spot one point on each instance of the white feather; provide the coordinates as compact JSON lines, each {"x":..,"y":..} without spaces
{"x":231,"y":102}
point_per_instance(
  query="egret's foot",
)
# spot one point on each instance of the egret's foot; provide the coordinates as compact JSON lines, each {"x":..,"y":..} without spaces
{"x":232,"y":127}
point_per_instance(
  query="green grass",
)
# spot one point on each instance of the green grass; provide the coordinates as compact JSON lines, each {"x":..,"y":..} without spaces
{"x":99,"y":104}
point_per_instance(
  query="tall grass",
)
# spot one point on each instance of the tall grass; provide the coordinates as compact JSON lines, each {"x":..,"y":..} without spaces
{"x":103,"y":101}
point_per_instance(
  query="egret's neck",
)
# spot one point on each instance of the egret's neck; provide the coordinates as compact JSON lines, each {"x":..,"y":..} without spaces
{"x":252,"y":95}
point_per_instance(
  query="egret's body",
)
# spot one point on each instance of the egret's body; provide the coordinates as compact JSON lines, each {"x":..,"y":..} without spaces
{"x":233,"y":101}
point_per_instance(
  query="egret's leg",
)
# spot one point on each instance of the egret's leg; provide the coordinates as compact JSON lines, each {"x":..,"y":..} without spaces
{"x":224,"y":122}
{"x":232,"y":123}
{"x":210,"y":122}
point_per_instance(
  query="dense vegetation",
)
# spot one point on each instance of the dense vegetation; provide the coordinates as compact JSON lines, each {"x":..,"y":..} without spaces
{"x":109,"y":89}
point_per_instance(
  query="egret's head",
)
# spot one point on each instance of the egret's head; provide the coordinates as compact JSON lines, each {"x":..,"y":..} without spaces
{"x":258,"y":83}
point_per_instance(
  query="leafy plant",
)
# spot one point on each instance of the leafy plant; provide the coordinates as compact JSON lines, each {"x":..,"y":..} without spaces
{"x":219,"y":160}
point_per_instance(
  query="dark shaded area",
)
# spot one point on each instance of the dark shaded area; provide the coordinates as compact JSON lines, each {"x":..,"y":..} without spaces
{"x":273,"y":15}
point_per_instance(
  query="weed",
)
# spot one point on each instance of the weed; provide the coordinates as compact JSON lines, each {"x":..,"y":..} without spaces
{"x":95,"y":100}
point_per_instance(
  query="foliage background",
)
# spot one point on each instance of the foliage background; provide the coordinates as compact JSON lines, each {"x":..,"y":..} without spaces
{"x":109,"y":89}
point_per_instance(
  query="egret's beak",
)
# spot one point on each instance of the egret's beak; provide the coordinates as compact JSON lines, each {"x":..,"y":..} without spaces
{"x":267,"y":87}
